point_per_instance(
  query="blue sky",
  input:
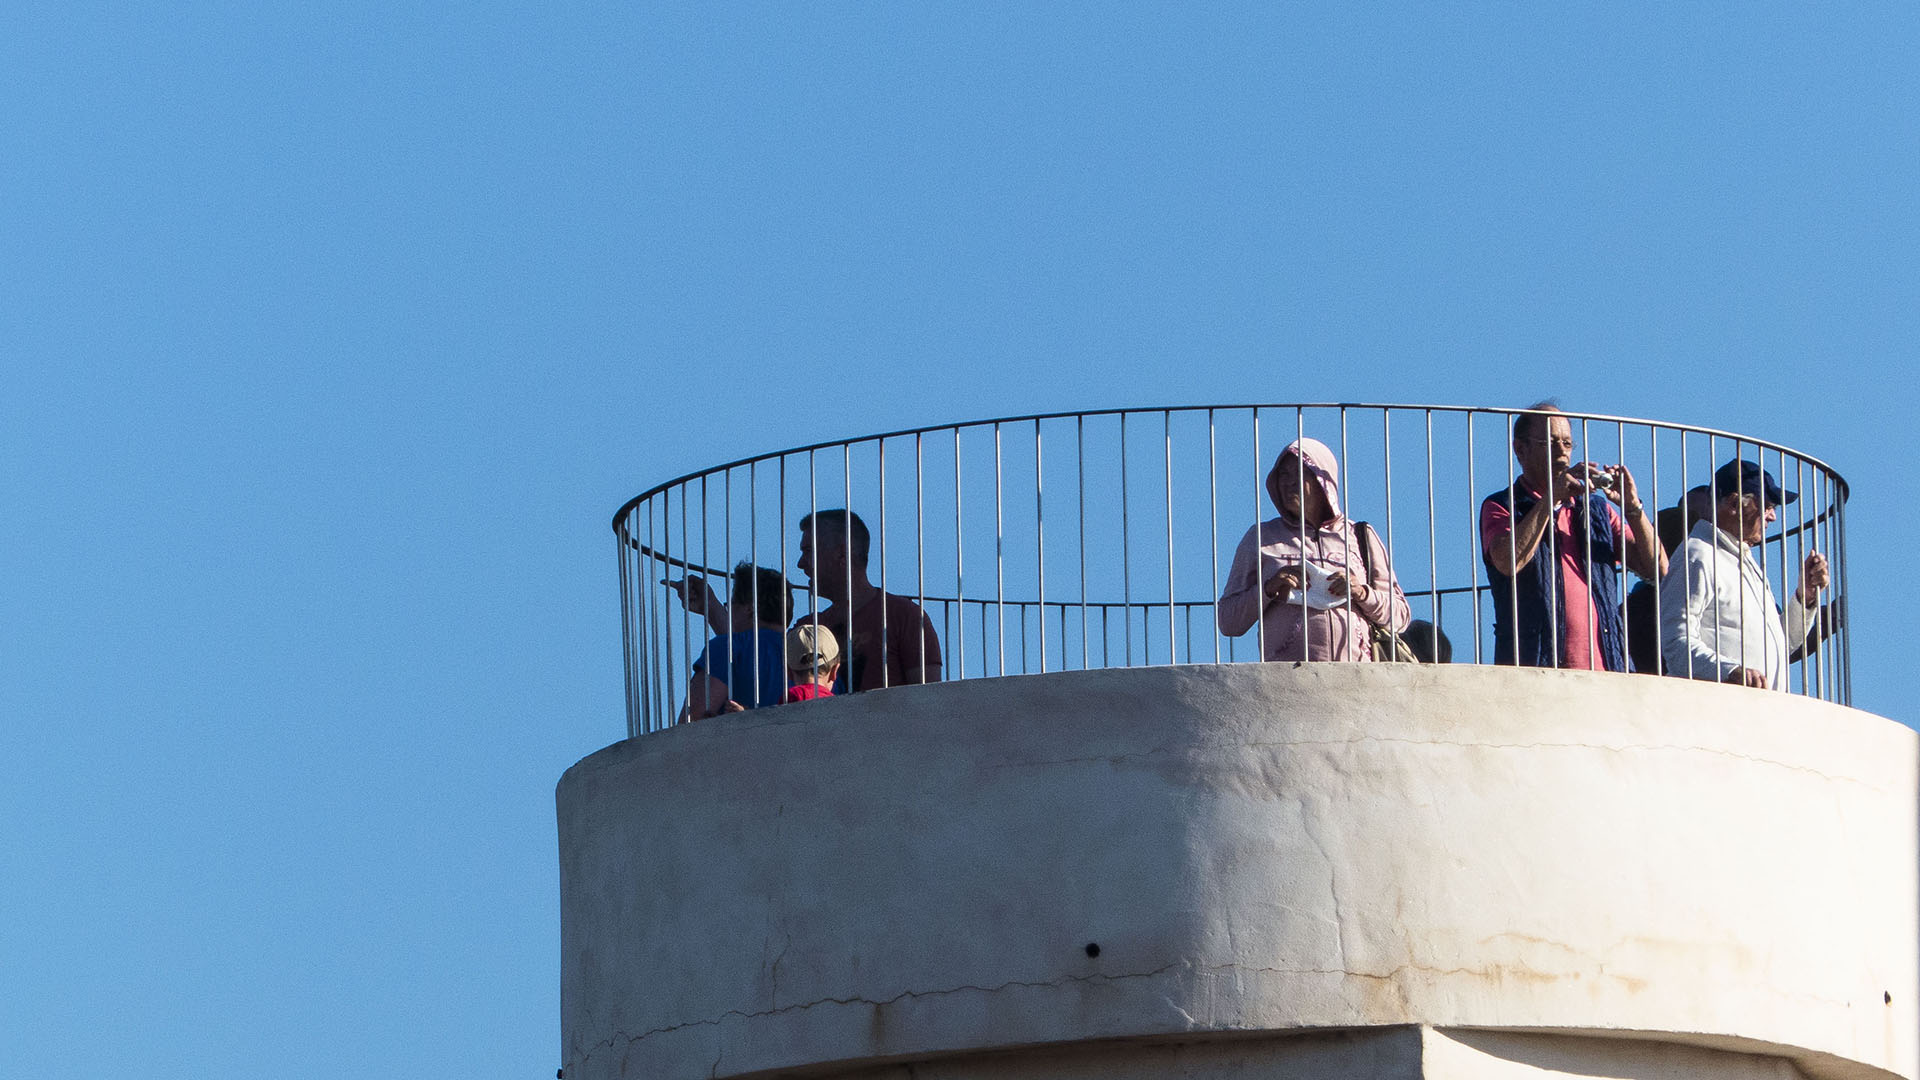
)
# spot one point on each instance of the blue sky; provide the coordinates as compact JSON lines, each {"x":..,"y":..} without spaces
{"x":337,"y":331}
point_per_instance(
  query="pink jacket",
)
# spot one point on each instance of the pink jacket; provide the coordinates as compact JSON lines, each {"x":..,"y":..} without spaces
{"x":1289,"y":630}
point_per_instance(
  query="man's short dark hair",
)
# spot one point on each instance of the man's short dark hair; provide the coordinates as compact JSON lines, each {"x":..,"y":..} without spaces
{"x":849,"y":526}
{"x":769,"y":589}
{"x":1527,"y":424}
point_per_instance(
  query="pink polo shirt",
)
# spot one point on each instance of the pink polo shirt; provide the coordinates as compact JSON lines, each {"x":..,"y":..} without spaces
{"x":1578,"y":649}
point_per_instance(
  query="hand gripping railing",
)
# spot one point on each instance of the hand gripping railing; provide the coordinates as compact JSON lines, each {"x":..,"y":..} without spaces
{"x":1103,"y":539}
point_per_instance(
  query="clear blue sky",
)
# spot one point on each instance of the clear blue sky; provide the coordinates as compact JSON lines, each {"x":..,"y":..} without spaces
{"x":335,"y":333}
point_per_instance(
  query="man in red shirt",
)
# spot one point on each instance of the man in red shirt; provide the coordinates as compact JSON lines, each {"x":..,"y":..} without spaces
{"x":1555,"y":573}
{"x":890,"y":642}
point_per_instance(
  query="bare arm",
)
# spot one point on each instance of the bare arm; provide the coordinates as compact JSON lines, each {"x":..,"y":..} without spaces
{"x":706,"y":696}
{"x":1508,"y":556}
{"x":700,"y":599}
{"x":1643,"y":554}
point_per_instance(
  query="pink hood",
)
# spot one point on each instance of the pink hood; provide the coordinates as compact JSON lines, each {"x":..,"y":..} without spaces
{"x":1321,"y":468}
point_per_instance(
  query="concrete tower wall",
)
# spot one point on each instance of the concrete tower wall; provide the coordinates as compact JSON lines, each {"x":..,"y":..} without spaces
{"x":1457,"y":869}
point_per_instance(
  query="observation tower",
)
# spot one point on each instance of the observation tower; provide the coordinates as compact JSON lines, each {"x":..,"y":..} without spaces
{"x":1112,"y":841}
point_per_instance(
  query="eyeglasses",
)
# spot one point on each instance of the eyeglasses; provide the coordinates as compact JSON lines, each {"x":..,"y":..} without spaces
{"x":1563,"y":444}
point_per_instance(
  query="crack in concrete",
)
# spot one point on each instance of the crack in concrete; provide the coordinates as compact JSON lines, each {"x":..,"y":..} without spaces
{"x":1191,"y":1021}
{"x":773,"y":994}
{"x":620,"y":1036}
{"x":1309,"y":825}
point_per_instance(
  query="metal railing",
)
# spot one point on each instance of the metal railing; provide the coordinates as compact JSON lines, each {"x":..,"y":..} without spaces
{"x":1102,"y":539}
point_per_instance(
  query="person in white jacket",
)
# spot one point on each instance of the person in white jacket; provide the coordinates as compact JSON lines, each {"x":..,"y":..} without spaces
{"x":1718,"y":617}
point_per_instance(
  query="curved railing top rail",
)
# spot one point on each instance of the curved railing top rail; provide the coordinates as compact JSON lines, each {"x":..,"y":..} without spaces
{"x":1136,"y":528}
{"x":829,"y":444}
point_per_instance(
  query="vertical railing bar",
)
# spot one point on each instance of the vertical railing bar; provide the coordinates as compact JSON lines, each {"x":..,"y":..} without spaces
{"x":1213,"y":529}
{"x":1837,"y":667}
{"x":1386,"y":440}
{"x":706,"y":566}
{"x":1836,"y":660}
{"x":726,"y":549}
{"x":1622,"y":580}
{"x":753,"y":540}
{"x":1746,"y":553}
{"x":999,"y":564}
{"x":1717,"y":494}
{"x":1513,"y":549}
{"x":1347,"y":493}
{"x":1818,"y":668}
{"x":1126,"y":553}
{"x":1686,"y":567}
{"x":644,"y":656}
{"x":1586,"y":506}
{"x":686,"y":549}
{"x":1080,"y":462}
{"x":920,"y":547}
{"x":959,"y":566}
{"x":1040,"y":550}
{"x":753,"y":560}
{"x":1166,"y":417}
{"x":651,"y":683}
{"x":626,"y":628}
{"x":664,"y":717}
{"x":846,"y":494}
{"x":886,"y":639}
{"x":1837,"y":563}
{"x":816,"y":574}
{"x":1823,"y":514}
{"x":1259,"y":578}
{"x":781,"y":509}
{"x":1557,"y":585}
{"x":1433,"y":544}
{"x":1659,"y":543}
{"x":1300,"y":473}
{"x":656,"y":618}
{"x":1785,"y":597}
{"x":1794,"y":553}
{"x":1473,"y":535}
{"x":780,"y":526}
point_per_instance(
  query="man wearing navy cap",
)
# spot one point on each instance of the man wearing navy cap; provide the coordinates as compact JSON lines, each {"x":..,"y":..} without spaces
{"x":1718,"y":616}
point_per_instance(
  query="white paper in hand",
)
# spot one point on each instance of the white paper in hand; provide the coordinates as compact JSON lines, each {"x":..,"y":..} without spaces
{"x":1318,"y":595}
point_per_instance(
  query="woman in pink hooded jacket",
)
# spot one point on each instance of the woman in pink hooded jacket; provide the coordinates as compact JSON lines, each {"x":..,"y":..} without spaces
{"x":1268,"y":584}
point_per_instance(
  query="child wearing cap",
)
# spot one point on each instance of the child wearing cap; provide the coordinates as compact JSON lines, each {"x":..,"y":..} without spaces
{"x":813,"y":660}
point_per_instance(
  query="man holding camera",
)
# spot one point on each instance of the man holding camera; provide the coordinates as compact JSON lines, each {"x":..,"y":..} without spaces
{"x":1553,"y":543}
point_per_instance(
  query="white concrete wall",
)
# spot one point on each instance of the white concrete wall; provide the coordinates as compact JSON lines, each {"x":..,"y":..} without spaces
{"x":911,"y":874}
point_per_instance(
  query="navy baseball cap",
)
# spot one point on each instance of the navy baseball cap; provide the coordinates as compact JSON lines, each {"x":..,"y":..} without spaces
{"x":1748,"y":478}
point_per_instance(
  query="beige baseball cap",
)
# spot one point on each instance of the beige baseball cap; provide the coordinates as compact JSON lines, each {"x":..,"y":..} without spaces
{"x":811,"y":647}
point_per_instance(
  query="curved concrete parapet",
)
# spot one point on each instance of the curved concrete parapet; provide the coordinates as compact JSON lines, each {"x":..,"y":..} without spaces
{"x":1028,"y":865}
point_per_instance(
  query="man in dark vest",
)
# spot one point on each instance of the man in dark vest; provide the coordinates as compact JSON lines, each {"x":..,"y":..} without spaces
{"x":1553,"y":543}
